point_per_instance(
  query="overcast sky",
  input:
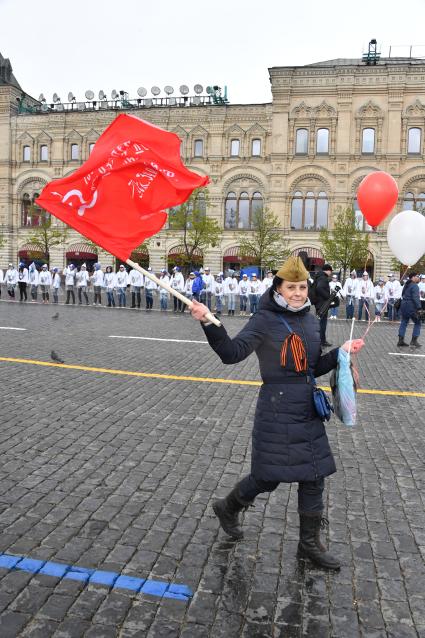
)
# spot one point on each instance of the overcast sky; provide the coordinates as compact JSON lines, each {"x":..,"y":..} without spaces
{"x":57,"y":46}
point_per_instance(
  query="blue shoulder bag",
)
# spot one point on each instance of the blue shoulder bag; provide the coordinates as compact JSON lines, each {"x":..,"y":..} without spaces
{"x":322,"y":404}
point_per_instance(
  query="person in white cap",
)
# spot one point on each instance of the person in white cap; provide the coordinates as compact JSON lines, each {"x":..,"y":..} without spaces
{"x":188,"y":292}
{"x":243,"y":294}
{"x":218,"y":292}
{"x":82,"y":277}
{"x":208,"y":286}
{"x":254,"y":293}
{"x":109,"y":281}
{"x":33,"y":281}
{"x":45,"y":281}
{"x":163,"y":293}
{"x":22,"y":282}
{"x":421,"y":286}
{"x":349,"y":292}
{"x":335,"y":287}
{"x":380,"y":299}
{"x":56,"y":284}
{"x":365,"y":294}
{"x":177,"y":283}
{"x":70,"y":273}
{"x":393,"y":292}
{"x":98,"y":282}
{"x":121,"y":280}
{"x":150,"y":286}
{"x":136,"y":284}
{"x":267,"y":281}
{"x":231,"y":287}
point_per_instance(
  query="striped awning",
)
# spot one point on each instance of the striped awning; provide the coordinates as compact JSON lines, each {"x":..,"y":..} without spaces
{"x":232,"y":255}
{"x":81,"y":251}
{"x":28,"y":251}
{"x":181,"y":250}
{"x":314,"y":253}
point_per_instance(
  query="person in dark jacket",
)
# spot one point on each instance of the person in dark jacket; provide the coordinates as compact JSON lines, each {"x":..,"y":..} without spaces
{"x":410,"y":305}
{"x":323,"y":293}
{"x":289,"y":442}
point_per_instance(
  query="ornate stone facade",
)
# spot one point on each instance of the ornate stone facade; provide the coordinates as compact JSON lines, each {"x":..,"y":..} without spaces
{"x":303,"y":154}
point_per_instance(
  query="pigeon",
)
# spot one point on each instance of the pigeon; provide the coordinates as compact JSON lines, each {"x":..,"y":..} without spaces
{"x":55,"y":357}
{"x":56,"y":316}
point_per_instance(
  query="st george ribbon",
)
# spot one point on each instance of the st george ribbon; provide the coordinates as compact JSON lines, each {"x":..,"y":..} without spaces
{"x":118,"y":196}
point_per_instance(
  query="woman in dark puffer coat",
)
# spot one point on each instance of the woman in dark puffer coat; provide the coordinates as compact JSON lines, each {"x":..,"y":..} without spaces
{"x":289,"y":441}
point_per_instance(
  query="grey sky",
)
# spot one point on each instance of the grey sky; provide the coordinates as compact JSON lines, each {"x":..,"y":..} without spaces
{"x":57,"y":46}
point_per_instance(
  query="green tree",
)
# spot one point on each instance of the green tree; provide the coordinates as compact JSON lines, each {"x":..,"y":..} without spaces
{"x":345,"y":246}
{"x":199,"y":230}
{"x":45,"y":236}
{"x":266,"y":244}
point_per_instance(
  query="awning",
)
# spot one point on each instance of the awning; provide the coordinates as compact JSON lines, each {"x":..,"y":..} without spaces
{"x":232,"y":255}
{"x":31,"y":251}
{"x":81,"y":251}
{"x":181,"y":250}
{"x":312,"y":253}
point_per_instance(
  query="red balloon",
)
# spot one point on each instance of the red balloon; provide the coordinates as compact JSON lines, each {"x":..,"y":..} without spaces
{"x":377,"y":196}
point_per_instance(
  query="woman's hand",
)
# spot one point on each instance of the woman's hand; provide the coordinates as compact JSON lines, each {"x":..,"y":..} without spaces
{"x":199,"y":310}
{"x":356,"y":346}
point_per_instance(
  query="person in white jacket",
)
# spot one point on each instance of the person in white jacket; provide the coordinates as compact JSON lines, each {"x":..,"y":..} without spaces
{"x":393,"y":292}
{"x":254,"y":294}
{"x":22,"y":282}
{"x":379,"y":298}
{"x":163,"y":293}
{"x":11,"y":279}
{"x":136,"y":284}
{"x":33,"y":281}
{"x":243,"y":294}
{"x":1,"y":279}
{"x":122,"y":283}
{"x":208,"y":286}
{"x":177,"y":283}
{"x":421,"y":286}
{"x":97,"y":281}
{"x":267,"y":281}
{"x":56,"y":284}
{"x":218,"y":290}
{"x":231,"y":289}
{"x":70,"y":273}
{"x":349,"y":292}
{"x":45,"y":281}
{"x":82,"y":278}
{"x":335,"y":286}
{"x":188,"y":288}
{"x":109,"y":281}
{"x":365,"y":294}
{"x":150,"y":287}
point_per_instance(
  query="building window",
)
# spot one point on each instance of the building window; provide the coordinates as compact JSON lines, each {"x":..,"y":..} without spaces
{"x":309,"y":211}
{"x":234,"y":148}
{"x":26,"y":154}
{"x":414,"y":141}
{"x":301,"y":143}
{"x":44,"y":153}
{"x":75,"y":152}
{"x":91,"y":147}
{"x":361,"y":223}
{"x":199,"y":148}
{"x":368,"y":140}
{"x":256,"y":148}
{"x":240,"y":211}
{"x":31,"y":214}
{"x":322,"y":140}
{"x":414,"y":202}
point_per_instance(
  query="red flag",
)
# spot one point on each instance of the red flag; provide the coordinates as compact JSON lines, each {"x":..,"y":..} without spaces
{"x":116,"y":198}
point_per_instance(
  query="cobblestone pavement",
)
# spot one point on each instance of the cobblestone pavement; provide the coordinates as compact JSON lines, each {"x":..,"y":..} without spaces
{"x":117,"y":473}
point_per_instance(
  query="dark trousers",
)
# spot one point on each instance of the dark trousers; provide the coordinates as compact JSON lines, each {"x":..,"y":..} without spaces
{"x":22,"y":290}
{"x":111,"y":300}
{"x":177,"y":304}
{"x":136,"y":297}
{"x":349,"y":308}
{"x":69,"y":294}
{"x":363,"y":302}
{"x":323,"y":324}
{"x":149,"y":299}
{"x":80,"y":298}
{"x":403,"y":325}
{"x":310,"y":493}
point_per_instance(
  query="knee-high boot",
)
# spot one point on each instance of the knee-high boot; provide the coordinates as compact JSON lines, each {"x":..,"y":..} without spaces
{"x":227,"y":511}
{"x":310,"y":545}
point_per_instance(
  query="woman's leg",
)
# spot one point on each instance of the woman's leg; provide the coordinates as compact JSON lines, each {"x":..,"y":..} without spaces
{"x":310,"y":509}
{"x":80,"y":299}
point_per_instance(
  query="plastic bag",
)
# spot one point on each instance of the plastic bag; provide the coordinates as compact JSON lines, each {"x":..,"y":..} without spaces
{"x":344,"y":388}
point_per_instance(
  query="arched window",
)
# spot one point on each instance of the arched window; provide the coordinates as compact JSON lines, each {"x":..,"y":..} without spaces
{"x":256,"y":147}
{"x":201,"y":204}
{"x":44,"y":153}
{"x":31,"y":213}
{"x":91,"y":147}
{"x":420,"y":203}
{"x":322,"y":140}
{"x":234,"y":148}
{"x":75,"y":152}
{"x":301,"y":143}
{"x":241,"y":211}
{"x":409,"y":202}
{"x":414,"y":201}
{"x":368,"y":140}
{"x":309,"y":211}
{"x":361,"y":223}
{"x":414,"y":140}
{"x":26,"y":154}
{"x":198,"y":150}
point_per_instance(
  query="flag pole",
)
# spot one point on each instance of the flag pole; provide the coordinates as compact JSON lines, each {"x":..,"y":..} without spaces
{"x":167,"y":287}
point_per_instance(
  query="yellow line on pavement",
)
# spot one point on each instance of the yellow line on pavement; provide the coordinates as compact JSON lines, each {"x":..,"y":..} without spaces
{"x":174,"y":377}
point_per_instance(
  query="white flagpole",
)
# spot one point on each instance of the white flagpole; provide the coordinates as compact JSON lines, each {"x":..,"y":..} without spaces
{"x":167,"y":287}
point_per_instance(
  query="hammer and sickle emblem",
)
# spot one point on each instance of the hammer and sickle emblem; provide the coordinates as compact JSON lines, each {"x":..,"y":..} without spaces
{"x":84,"y":204}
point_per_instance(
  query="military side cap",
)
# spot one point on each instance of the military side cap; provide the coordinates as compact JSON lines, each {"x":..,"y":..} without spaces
{"x":293,"y":270}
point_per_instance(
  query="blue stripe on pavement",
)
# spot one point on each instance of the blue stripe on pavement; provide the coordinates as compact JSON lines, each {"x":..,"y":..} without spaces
{"x":97,"y":576}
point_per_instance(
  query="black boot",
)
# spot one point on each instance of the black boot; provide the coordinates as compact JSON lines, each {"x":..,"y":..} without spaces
{"x":414,"y":343}
{"x":310,"y":545}
{"x":402,"y":343}
{"x":227,"y":511}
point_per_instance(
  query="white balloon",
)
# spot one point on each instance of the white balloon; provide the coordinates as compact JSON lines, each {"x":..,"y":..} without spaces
{"x":406,"y":236}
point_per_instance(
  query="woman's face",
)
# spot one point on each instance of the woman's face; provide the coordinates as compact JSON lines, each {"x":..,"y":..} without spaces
{"x":294,"y":293}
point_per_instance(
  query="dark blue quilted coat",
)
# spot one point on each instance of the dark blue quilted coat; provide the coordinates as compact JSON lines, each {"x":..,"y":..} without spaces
{"x":289,"y":441}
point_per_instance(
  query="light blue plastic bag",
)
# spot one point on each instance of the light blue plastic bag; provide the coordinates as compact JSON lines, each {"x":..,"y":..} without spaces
{"x":344,"y":389}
